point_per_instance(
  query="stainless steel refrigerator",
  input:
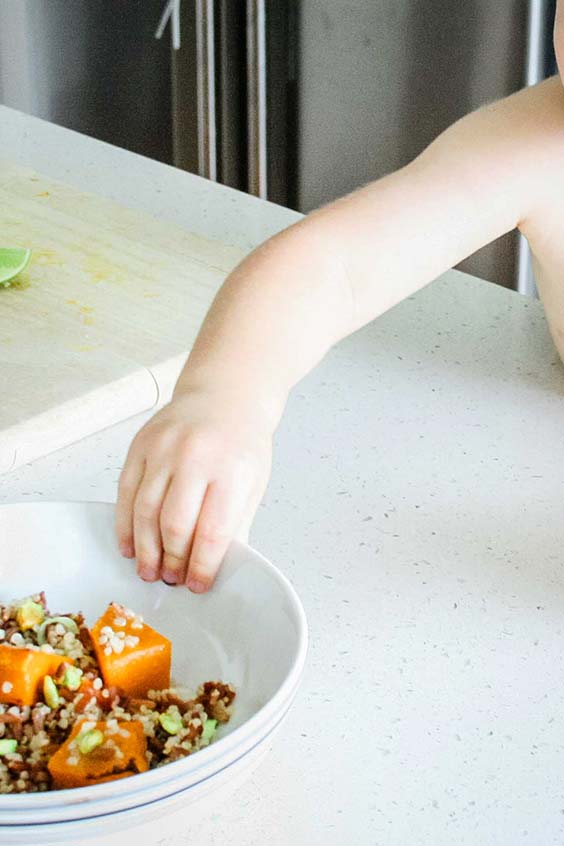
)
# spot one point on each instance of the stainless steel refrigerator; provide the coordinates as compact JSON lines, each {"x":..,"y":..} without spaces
{"x":298,"y":102}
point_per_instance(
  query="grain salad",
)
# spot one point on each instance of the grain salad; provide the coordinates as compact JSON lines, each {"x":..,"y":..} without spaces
{"x":82,"y":705}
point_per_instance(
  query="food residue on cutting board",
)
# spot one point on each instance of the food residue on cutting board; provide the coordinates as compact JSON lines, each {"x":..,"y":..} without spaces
{"x":100,"y":270}
{"x":47,"y":256}
{"x":20,"y":283}
{"x":84,"y":311}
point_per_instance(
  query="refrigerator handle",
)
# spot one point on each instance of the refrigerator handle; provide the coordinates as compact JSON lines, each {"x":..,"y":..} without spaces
{"x":256,"y":98}
{"x":535,"y":71}
{"x":170,"y":13}
{"x":205,"y":82}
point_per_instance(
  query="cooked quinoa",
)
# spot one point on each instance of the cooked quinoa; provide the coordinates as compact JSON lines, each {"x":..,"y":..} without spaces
{"x":173,"y":722}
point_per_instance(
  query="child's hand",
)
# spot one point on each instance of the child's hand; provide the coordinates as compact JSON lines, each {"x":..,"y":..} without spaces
{"x":193,"y":479}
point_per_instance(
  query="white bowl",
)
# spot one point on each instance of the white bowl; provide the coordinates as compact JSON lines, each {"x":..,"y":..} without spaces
{"x":250,"y":630}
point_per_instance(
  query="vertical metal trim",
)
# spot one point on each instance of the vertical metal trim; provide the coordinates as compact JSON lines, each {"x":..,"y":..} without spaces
{"x":205,"y":53}
{"x":525,"y":278}
{"x":536,"y":41}
{"x":535,"y":71}
{"x":256,"y":98}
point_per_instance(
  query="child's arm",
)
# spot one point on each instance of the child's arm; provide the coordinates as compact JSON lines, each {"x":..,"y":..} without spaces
{"x":196,"y":472}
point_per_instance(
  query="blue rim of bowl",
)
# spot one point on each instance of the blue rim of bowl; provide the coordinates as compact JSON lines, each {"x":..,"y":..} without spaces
{"x":136,"y":807}
{"x":232,"y":742}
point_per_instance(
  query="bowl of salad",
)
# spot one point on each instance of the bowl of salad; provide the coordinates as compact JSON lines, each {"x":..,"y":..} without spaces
{"x":121,"y":700}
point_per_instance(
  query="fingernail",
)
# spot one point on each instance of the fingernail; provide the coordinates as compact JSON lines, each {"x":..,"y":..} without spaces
{"x":146,"y":575}
{"x":195,"y":586}
{"x":126,"y":550}
{"x":169,"y":577}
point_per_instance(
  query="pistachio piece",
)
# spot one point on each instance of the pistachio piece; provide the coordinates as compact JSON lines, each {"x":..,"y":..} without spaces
{"x":29,"y":614}
{"x":7,"y":746}
{"x":171,"y":723}
{"x":50,"y":693}
{"x":72,"y":677}
{"x":210,"y":727}
{"x":90,"y":740}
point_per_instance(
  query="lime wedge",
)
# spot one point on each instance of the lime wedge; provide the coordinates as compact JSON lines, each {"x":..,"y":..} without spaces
{"x":12,"y":261}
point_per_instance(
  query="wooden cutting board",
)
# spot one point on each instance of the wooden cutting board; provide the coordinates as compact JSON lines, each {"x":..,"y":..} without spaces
{"x":99,"y":324}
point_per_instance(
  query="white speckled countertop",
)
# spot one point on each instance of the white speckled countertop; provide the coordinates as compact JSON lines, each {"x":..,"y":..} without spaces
{"x":417,"y":505}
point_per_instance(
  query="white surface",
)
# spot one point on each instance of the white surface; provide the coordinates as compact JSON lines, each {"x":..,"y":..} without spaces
{"x":251,"y":632}
{"x":417,"y":506}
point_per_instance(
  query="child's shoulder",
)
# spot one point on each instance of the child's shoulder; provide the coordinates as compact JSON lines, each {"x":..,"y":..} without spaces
{"x":537,"y":115}
{"x":539,"y":112}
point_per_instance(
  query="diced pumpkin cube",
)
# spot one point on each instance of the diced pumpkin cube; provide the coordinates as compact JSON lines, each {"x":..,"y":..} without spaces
{"x":22,"y":672}
{"x":120,"y":751}
{"x":131,"y":655}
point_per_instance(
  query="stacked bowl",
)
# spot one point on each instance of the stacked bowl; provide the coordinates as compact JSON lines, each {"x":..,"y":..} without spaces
{"x":250,"y":631}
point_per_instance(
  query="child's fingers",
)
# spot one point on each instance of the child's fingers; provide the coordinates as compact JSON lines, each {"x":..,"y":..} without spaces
{"x":219,"y":519}
{"x":129,"y":482}
{"x":179,"y":514}
{"x":146,"y":527}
